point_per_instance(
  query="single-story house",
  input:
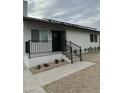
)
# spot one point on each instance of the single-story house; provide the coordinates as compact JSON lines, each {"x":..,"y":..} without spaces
{"x":46,"y":40}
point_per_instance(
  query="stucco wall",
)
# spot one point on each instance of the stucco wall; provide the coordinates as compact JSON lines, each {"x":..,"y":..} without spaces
{"x":28,"y":25}
{"x":81,"y":38}
{"x":43,"y":59}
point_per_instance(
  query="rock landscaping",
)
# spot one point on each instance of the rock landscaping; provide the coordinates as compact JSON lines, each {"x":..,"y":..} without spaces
{"x":48,"y":66}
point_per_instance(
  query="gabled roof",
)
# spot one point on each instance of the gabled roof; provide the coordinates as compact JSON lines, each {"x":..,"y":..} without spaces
{"x":59,"y":22}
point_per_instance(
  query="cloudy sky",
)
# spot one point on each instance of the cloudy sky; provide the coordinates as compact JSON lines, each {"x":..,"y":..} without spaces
{"x":82,"y":12}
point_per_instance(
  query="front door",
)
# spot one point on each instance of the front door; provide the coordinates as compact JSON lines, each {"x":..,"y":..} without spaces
{"x":57,"y":40}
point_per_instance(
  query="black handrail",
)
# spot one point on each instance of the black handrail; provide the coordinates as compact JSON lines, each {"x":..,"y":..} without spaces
{"x":80,"y":51}
{"x":80,"y":54}
{"x":27,"y":48}
{"x":74,"y":48}
{"x":45,"y":46}
{"x":75,"y":44}
{"x":70,"y":52}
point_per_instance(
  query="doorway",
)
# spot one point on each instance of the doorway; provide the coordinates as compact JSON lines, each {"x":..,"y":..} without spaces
{"x":58,"y":40}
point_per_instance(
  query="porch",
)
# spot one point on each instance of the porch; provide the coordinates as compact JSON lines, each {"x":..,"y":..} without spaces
{"x":42,"y":48}
{"x":48,"y":48}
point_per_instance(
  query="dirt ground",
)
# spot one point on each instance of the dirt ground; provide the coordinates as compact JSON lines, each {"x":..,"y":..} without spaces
{"x":92,"y":57}
{"x":84,"y":81}
{"x":35,"y":70}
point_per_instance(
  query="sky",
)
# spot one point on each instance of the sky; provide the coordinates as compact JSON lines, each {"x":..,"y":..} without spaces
{"x":81,"y":12}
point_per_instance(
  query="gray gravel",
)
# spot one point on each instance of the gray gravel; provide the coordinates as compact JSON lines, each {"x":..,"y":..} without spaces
{"x":84,"y":81}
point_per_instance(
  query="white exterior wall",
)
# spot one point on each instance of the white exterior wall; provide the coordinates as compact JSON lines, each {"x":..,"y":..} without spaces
{"x":28,"y":26}
{"x":44,"y":59}
{"x":81,"y":38}
{"x":27,"y":31}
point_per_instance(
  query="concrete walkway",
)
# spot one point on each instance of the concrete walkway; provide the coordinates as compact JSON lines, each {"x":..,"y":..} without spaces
{"x":60,"y":72}
{"x":34,"y":83}
{"x":30,"y":84}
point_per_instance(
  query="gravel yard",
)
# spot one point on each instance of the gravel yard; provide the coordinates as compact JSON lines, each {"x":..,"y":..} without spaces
{"x":84,"y":81}
{"x":92,"y":57}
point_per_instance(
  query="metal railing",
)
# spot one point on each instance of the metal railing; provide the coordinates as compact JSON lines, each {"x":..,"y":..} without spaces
{"x":68,"y":52}
{"x":40,"y":46}
{"x":71,"y":50}
{"x":76,"y":50}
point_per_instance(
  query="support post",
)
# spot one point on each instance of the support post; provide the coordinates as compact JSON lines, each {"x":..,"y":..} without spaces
{"x":71,"y":55}
{"x":80,"y":54}
{"x":29,"y":49}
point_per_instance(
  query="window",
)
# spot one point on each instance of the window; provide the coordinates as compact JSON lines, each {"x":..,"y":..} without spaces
{"x":43,"y":35}
{"x":93,"y":38}
{"x":37,"y":35}
{"x":34,"y":35}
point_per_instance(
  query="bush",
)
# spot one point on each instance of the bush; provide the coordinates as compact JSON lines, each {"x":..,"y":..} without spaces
{"x":45,"y":64}
{"x":56,"y":61}
{"x":39,"y":67}
{"x":91,"y":49}
{"x":98,"y":48}
{"x":95,"y":49}
{"x":62,"y":60}
{"x":88,"y":49}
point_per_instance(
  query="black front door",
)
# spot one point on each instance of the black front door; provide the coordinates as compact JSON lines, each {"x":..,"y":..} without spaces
{"x":57,"y":40}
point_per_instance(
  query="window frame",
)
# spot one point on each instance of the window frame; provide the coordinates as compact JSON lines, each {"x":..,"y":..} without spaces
{"x":32,"y":37}
{"x":39,"y":35}
{"x":93,"y":38}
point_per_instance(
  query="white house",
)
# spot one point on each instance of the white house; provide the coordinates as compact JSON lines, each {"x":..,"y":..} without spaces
{"x":46,"y":40}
